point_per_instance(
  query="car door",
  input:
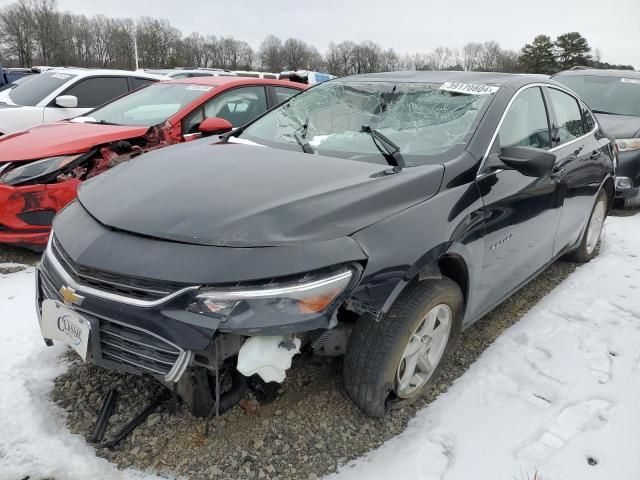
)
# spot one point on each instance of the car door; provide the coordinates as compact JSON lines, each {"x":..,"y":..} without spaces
{"x":91,"y":93}
{"x":520,"y":212}
{"x":577,"y":170}
{"x":238,"y":106}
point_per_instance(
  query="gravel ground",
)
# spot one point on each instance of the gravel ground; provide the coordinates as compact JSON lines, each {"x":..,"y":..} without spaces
{"x":307,"y":432}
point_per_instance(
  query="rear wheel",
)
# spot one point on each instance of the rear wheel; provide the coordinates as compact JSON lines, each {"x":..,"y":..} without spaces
{"x":590,"y":241}
{"x":389,"y":362}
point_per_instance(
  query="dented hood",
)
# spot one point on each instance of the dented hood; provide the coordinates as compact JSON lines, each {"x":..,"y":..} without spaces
{"x":248,"y":196}
{"x":61,"y":138}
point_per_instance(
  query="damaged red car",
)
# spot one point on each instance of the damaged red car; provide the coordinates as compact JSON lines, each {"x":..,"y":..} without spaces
{"x":41,"y":168}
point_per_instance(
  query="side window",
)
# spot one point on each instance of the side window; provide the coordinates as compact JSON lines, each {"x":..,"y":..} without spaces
{"x":568,"y":115}
{"x":283,"y":93}
{"x":587,"y":118}
{"x":238,"y":106}
{"x":93,"y":92}
{"x":141,"y":82}
{"x":526,"y":123}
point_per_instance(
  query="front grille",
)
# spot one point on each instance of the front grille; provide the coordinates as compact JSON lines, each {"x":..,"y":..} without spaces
{"x":133,"y":287}
{"x":122,"y":345}
{"x":136,"y":349}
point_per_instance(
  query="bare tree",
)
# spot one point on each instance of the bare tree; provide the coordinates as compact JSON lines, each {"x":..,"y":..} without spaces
{"x":16,"y":32}
{"x":471,"y":54}
{"x":440,"y":58}
{"x":271,"y":54}
{"x":488,"y":60}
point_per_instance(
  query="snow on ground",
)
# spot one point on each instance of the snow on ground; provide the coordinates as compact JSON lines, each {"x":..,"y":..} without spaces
{"x":33,"y":437}
{"x":557,"y":393}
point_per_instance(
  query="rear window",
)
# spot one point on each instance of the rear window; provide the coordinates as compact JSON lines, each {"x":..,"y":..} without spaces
{"x":42,"y":85}
{"x":616,"y":95}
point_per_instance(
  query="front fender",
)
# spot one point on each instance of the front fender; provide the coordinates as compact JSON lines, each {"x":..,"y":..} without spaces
{"x":409,"y":246}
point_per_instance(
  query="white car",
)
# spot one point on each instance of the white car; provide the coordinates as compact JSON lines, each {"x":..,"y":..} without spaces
{"x":179,"y":73}
{"x":253,"y":74}
{"x":63,"y":93}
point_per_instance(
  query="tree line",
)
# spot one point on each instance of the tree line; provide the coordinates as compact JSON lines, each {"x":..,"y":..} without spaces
{"x":35,"y":32}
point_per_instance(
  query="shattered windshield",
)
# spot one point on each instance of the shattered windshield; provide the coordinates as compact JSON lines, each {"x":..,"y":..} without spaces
{"x":421,"y":119}
{"x":147,"y":106}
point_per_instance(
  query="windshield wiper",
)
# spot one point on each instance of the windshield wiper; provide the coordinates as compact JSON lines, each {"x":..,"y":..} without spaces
{"x":389,"y":150}
{"x":606,"y":113}
{"x":306,"y":148}
{"x":103,"y":122}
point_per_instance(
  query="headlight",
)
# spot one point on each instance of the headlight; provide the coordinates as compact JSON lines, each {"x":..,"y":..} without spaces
{"x":309,"y":295}
{"x":628,"y":144}
{"x":36,"y":170}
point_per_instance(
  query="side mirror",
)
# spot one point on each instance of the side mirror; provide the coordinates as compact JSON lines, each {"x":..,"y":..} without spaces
{"x":529,"y":161}
{"x":67,"y":101}
{"x":215,"y":126}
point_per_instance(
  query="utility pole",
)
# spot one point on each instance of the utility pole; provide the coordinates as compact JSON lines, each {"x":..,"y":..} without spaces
{"x":135,"y":43}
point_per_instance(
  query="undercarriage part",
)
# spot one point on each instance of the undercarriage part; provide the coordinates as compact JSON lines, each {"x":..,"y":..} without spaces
{"x":135,"y":421}
{"x":103,"y":418}
{"x":267,"y":356}
{"x":264,"y":392}
{"x":230,"y":399}
{"x":198,"y":390}
{"x":333,"y":343}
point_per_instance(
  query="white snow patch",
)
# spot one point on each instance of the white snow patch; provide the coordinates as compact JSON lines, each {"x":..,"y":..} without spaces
{"x":33,"y":438}
{"x":556,"y":389}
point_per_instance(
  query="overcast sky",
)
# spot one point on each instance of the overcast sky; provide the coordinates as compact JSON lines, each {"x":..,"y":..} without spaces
{"x":405,"y":25}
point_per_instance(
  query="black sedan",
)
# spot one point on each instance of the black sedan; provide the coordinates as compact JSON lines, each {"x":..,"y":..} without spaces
{"x":374,"y":216}
{"x":614,"y":96}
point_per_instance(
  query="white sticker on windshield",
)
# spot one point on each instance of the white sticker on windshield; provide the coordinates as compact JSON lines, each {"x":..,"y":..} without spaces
{"x":630,"y":80}
{"x":199,"y":88}
{"x":61,"y":76}
{"x":468,"y":88}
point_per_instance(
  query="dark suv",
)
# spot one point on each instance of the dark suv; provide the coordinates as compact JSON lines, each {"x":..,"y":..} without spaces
{"x":614,"y":96}
{"x":373,"y":216}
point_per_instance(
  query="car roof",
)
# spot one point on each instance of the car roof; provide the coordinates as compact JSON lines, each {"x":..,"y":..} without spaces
{"x":600,"y":73}
{"x":515,"y":80}
{"x":210,"y":72}
{"x":236,"y":81}
{"x":91,"y":72}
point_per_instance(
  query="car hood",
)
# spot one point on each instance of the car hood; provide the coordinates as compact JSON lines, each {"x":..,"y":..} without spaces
{"x":246,"y":196}
{"x":61,"y":138}
{"x":620,"y":126}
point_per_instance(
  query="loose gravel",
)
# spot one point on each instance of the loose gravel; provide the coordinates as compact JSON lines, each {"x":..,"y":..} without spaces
{"x":307,"y":432}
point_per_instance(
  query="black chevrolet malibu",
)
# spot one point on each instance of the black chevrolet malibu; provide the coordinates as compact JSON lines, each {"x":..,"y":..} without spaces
{"x":374,"y":216}
{"x":614,"y":96}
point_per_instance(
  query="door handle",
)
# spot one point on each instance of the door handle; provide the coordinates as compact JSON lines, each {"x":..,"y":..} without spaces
{"x":595,"y":155}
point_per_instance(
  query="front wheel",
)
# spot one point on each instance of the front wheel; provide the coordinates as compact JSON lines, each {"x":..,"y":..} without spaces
{"x":590,"y":241}
{"x":390,"y":362}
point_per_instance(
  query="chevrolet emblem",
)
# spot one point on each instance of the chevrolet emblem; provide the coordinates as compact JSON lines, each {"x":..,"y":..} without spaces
{"x":70,"y":297}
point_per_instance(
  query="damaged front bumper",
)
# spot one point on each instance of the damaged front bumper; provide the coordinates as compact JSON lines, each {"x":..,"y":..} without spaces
{"x":26,"y":212}
{"x":144,"y":326}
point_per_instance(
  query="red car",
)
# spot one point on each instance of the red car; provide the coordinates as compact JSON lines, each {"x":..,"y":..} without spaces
{"x":41,"y":168}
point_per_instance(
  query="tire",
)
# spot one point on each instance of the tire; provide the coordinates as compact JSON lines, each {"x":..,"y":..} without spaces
{"x":375,"y":353}
{"x":587,"y":249}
